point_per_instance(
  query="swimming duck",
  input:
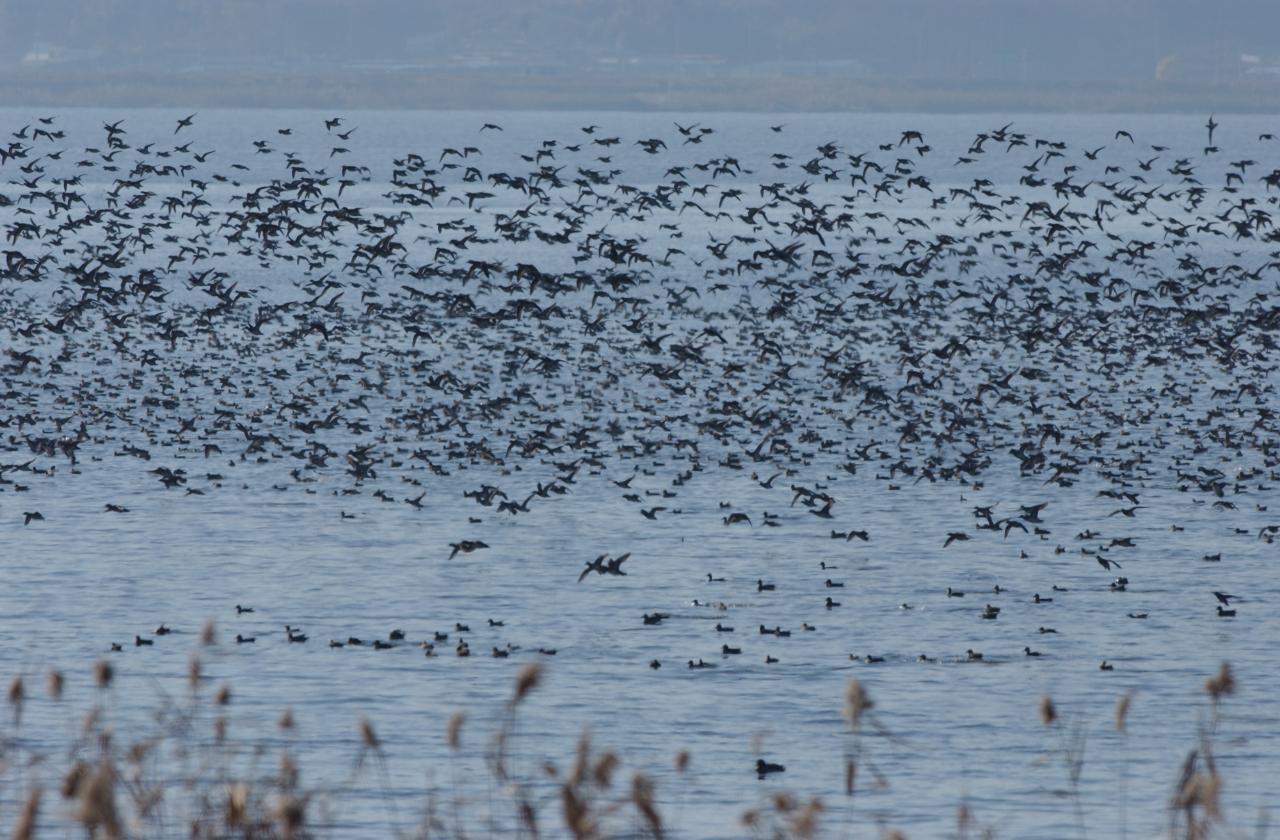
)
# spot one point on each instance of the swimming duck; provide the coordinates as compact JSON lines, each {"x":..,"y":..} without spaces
{"x":761,"y":586}
{"x":245,"y":640}
{"x":764,"y":768}
{"x":1106,"y":666}
{"x":730,"y":651}
{"x":138,"y":641}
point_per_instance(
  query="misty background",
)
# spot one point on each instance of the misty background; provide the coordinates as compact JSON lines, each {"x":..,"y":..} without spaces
{"x":765,"y":54}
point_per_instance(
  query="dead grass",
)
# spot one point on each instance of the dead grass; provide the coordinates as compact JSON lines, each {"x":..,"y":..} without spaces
{"x":185,"y":781}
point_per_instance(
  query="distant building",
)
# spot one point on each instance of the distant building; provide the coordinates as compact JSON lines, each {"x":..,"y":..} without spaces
{"x":43,"y":52}
{"x":1256,"y":67}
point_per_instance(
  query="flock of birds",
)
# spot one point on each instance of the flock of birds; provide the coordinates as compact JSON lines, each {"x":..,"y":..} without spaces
{"x":1108,"y":316}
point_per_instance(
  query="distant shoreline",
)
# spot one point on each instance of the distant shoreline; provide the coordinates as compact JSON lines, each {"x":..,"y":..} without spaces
{"x":724,"y":89}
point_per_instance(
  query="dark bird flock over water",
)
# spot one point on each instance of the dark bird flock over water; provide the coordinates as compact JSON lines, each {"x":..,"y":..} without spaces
{"x":544,"y":329}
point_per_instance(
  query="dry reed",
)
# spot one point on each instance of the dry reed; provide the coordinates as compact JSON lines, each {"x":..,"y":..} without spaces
{"x":114,"y":789}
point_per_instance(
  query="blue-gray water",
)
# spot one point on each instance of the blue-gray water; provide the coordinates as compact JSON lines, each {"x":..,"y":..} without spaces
{"x":1140,"y":401}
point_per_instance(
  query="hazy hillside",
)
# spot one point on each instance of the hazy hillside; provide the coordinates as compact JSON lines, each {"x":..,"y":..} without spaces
{"x":978,"y":39}
{"x":1053,"y":42}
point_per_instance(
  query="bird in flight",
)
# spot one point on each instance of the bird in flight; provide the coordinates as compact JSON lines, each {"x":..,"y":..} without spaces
{"x":596,"y":565}
{"x":466,"y":547}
